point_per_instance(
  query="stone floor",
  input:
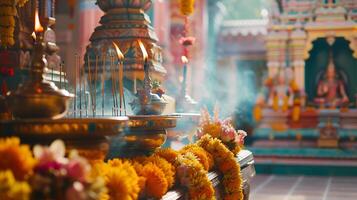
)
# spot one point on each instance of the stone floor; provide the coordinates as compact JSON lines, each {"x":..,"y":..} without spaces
{"x":273,"y":187}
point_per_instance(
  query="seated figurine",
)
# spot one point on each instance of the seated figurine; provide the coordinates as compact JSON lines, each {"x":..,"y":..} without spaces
{"x":280,"y":93}
{"x":331,"y":91}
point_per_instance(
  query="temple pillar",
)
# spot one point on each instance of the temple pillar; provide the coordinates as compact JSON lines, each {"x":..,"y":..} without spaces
{"x":298,"y":42}
{"x":276,"y":51}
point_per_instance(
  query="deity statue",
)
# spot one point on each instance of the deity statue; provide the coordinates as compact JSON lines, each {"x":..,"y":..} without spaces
{"x":281,"y":94}
{"x":331,"y":90}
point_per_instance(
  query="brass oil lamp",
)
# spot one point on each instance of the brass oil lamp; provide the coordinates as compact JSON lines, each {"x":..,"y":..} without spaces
{"x":37,"y":97}
{"x":147,"y":103}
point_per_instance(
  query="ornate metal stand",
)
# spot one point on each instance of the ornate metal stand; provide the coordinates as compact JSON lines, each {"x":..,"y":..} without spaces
{"x":88,"y":136}
{"x":145,"y":134}
{"x":125,"y":22}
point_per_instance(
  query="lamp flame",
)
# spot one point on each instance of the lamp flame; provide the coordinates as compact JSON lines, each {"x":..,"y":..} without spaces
{"x":143,"y":50}
{"x":184,"y":59}
{"x":119,"y":53}
{"x":38,"y":27}
{"x":33,"y":35}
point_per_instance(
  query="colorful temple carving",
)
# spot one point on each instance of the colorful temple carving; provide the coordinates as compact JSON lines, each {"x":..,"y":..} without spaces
{"x":308,"y":101}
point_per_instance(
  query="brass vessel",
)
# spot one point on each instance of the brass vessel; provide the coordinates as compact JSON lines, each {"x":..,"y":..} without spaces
{"x":145,"y":134}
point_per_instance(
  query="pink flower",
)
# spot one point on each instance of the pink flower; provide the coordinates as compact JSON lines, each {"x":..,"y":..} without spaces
{"x":200,"y":133}
{"x":76,"y":192}
{"x":78,"y":168}
{"x":227,"y":121}
{"x":54,"y":153}
{"x":228,"y":134}
{"x":187,"y":41}
{"x":240,"y":137}
{"x":183,"y":171}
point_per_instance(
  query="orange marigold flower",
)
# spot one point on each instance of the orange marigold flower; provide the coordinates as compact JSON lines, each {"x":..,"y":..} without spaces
{"x":142,"y":180}
{"x":166,"y":167}
{"x":156,"y":184}
{"x":168,"y":154}
{"x":203,"y":156}
{"x":233,"y":196}
{"x":15,"y":157}
{"x":227,"y":165}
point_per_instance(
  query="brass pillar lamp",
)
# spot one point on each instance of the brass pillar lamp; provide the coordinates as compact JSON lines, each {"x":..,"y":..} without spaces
{"x":37,"y":97}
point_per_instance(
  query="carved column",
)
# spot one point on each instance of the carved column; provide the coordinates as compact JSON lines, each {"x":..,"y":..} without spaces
{"x":298,"y":41}
{"x":274,"y":52}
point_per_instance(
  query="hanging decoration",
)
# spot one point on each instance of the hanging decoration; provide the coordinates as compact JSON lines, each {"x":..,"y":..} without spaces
{"x":186,"y":8}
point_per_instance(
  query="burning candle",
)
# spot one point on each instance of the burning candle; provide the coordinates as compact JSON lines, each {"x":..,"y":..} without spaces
{"x":145,"y":56}
{"x":38,"y":27}
{"x":120,"y":75}
{"x":184,"y":61}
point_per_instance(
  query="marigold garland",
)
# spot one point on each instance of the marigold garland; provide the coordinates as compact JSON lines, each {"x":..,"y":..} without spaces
{"x":15,"y":157}
{"x":203,"y":156}
{"x":168,"y":154}
{"x":155,"y":182}
{"x":142,"y":176}
{"x":167,"y":168}
{"x":193,"y":176}
{"x":227,"y":164}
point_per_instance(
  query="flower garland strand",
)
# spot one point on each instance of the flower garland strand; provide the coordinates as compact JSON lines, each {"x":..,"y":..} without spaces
{"x":227,"y":164}
{"x":117,"y":179}
{"x":193,"y":176}
{"x":203,"y":156}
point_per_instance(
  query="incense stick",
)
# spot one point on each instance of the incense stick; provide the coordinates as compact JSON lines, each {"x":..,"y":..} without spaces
{"x":103,"y":82}
{"x":61,"y":69}
{"x":84,"y":91}
{"x":122,"y":85}
{"x":95,"y":84}
{"x":90,"y":84}
{"x":120,"y":77}
{"x":75,"y":86}
{"x":80,"y":86}
{"x":112,"y":71}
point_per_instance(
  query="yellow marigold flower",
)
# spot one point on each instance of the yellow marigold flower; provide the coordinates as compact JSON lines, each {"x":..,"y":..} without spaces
{"x":104,"y":196}
{"x":15,"y":157}
{"x":203,"y":156}
{"x":10,"y":189}
{"x":142,"y":180}
{"x":166,"y":167}
{"x":168,"y":154}
{"x":156,"y":184}
{"x":121,"y":180}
